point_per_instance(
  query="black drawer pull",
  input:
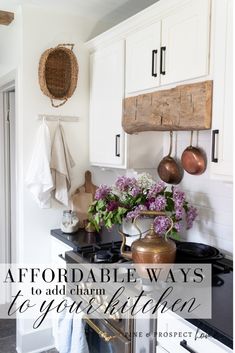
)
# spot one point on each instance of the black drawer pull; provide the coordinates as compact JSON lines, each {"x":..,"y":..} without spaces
{"x":117,"y":145}
{"x":163,"y":61}
{"x":154,"y":65}
{"x":213,"y":158}
{"x":185,"y":346}
{"x":62,"y":257}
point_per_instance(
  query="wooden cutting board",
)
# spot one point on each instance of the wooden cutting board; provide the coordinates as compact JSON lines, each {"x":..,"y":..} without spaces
{"x":83,"y":197}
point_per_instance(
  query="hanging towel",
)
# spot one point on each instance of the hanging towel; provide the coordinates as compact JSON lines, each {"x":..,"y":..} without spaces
{"x":78,"y":338}
{"x":61,"y":164}
{"x":71,"y":333}
{"x":38,"y":177}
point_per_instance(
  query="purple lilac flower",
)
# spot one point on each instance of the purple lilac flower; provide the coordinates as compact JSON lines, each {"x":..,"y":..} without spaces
{"x":102,"y":192}
{"x":178,"y":197}
{"x":191,"y":216}
{"x":124,"y":183}
{"x":156,"y":189}
{"x":112,"y":205}
{"x":178,"y":226}
{"x":135,"y":191}
{"x":179,"y":213}
{"x":161,"y":224}
{"x":132,"y":214}
{"x":158,"y":204}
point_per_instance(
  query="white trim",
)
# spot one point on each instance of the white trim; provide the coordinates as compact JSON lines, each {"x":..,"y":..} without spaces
{"x":47,"y":348}
{"x":8,"y":178}
{"x":8,"y":81}
{"x":7,"y":84}
{"x":2,"y":189}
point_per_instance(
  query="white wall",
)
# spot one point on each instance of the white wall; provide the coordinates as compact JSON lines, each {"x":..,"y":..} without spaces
{"x":45,"y":30}
{"x":10,"y":45}
{"x":30,"y":35}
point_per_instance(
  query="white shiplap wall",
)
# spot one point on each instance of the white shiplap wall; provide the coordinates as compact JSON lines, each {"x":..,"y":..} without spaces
{"x":213,"y":198}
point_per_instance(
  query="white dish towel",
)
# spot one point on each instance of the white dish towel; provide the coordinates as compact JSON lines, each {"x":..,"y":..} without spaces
{"x":38,"y":178}
{"x":71,"y":337}
{"x":61,"y":165}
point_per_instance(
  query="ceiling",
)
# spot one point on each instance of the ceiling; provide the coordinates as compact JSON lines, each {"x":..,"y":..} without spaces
{"x":113,"y":11}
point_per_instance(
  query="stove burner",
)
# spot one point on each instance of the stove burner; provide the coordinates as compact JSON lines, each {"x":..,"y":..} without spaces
{"x":104,"y":256}
{"x":102,"y":253}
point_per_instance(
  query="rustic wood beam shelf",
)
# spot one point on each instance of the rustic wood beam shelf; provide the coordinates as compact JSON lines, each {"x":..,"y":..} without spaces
{"x":185,"y":107}
{"x":6,"y":17}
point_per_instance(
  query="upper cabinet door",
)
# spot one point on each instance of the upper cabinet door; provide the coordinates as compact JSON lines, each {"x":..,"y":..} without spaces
{"x":143,"y":59}
{"x":185,"y":42}
{"x":222,"y":133}
{"x":107,"y":91}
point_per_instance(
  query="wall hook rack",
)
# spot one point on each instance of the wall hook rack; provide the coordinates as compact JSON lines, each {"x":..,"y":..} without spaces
{"x":64,"y":118}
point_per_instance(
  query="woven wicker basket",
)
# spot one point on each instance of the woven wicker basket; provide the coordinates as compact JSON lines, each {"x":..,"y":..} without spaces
{"x":58,"y":73}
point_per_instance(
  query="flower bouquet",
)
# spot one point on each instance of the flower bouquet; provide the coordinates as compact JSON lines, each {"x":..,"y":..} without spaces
{"x":129,"y":196}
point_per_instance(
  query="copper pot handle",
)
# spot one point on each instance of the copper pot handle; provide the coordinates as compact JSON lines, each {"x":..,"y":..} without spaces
{"x":153,"y":213}
{"x":171,"y":142}
{"x":191,"y":139}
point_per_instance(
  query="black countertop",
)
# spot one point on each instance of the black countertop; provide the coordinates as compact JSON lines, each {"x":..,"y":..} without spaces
{"x":82,"y":239}
{"x":220,"y":326}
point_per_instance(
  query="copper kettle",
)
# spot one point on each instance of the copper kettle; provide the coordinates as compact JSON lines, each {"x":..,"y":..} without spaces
{"x":152,"y":248}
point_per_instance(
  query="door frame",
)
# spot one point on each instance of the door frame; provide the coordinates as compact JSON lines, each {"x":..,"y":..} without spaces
{"x":7,"y":225}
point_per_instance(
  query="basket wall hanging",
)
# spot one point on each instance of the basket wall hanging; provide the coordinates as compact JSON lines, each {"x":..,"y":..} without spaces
{"x":58,"y":73}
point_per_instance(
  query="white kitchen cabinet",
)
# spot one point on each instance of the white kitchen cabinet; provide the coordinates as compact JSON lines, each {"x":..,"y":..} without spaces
{"x":185,"y":42}
{"x":58,"y":249}
{"x":143,"y":58}
{"x":169,"y":324}
{"x":107,"y":91}
{"x":222,"y":125}
{"x":171,"y":50}
{"x":108,"y":144}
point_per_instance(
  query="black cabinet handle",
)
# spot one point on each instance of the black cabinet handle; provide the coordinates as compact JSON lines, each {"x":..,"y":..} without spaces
{"x":62,"y":257}
{"x":117,"y":145}
{"x":213,"y":158}
{"x":154,"y":58}
{"x":163,"y":61}
{"x":185,"y":346}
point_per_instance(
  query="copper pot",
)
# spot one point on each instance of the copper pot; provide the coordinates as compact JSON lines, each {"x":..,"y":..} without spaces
{"x":169,"y":170}
{"x":153,"y":248}
{"x":193,"y":159}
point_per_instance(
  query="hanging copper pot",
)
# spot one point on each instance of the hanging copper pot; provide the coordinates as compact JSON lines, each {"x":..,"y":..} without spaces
{"x":169,"y":170}
{"x":153,"y":248}
{"x":193,"y":159}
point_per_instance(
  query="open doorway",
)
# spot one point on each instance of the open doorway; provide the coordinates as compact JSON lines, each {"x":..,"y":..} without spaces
{"x":7,"y":174}
{"x":7,"y":205}
{"x":7,"y":179}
